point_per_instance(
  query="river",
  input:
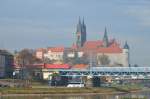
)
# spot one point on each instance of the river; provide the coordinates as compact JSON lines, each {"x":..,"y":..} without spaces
{"x":114,"y":96}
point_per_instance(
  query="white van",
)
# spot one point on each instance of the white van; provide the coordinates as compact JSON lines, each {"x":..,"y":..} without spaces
{"x":75,"y":85}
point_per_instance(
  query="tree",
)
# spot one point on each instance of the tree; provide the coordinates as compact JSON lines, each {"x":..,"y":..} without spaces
{"x":70,"y":60}
{"x":47,"y":60}
{"x":25,"y":58}
{"x":104,"y":59}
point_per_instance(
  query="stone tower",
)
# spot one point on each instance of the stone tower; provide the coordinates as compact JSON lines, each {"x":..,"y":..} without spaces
{"x":126,"y":54}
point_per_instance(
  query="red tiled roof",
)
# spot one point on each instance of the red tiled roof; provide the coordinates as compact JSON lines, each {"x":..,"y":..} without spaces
{"x":56,"y":49}
{"x":50,"y":66}
{"x":97,"y":47}
{"x":113,"y":48}
{"x":80,"y":66}
{"x":57,"y":66}
{"x":109,"y":50}
{"x":93,"y":44}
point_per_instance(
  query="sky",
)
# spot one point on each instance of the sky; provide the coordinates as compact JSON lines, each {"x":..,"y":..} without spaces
{"x":44,"y":23}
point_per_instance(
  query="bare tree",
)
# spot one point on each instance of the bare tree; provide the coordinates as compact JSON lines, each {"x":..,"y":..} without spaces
{"x":47,"y":60}
{"x":25,"y":59}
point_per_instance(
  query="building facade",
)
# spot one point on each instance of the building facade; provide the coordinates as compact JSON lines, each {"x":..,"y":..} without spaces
{"x":55,"y":53}
{"x":6,"y":64}
{"x":107,"y":52}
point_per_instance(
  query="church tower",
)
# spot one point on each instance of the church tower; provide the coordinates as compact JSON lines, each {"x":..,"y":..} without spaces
{"x":80,"y":33}
{"x":105,"y":39}
{"x":126,"y":55}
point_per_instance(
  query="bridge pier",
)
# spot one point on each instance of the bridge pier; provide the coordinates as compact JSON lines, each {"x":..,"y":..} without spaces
{"x":89,"y":81}
{"x":92,"y":81}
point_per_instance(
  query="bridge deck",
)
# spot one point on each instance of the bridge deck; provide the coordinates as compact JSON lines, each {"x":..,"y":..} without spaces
{"x":105,"y":71}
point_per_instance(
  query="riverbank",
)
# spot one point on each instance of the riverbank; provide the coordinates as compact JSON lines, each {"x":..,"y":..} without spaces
{"x":62,"y":91}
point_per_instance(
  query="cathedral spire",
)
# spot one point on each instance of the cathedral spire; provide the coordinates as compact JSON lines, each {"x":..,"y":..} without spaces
{"x":83,"y":24}
{"x":79,"y":26}
{"x":80,"y":33}
{"x":105,"y":39}
{"x":83,"y":33}
{"x":83,"y":21}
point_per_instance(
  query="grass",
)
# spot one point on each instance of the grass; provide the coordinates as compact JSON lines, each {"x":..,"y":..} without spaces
{"x":127,"y":88}
{"x":55,"y":90}
{"x":43,"y":88}
{"x":133,"y":98}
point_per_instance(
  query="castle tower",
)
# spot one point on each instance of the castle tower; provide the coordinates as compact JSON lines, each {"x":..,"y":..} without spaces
{"x":105,"y":39}
{"x":126,"y":60}
{"x":80,"y":33}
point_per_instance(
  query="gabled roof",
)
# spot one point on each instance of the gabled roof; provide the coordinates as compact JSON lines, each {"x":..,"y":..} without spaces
{"x":97,"y":47}
{"x":57,"y":66}
{"x":80,"y":66}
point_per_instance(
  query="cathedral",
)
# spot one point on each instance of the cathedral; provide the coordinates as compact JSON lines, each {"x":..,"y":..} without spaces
{"x":103,"y":52}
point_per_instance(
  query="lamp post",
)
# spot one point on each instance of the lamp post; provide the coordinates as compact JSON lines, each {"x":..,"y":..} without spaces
{"x":14,"y":73}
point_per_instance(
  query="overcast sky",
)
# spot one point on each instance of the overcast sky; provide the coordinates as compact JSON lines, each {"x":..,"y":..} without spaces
{"x":43,"y":23}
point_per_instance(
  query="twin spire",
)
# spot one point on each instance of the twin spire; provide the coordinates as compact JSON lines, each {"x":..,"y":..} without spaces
{"x":81,"y":33}
{"x":80,"y":25}
{"x":82,"y":21}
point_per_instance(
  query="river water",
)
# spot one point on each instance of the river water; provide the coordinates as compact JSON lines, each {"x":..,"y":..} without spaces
{"x":114,"y":96}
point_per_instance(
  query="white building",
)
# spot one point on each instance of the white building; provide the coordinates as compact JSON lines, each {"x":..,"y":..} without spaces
{"x":54,"y":53}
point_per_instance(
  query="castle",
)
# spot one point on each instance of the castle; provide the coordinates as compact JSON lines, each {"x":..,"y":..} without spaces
{"x":103,"y":52}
